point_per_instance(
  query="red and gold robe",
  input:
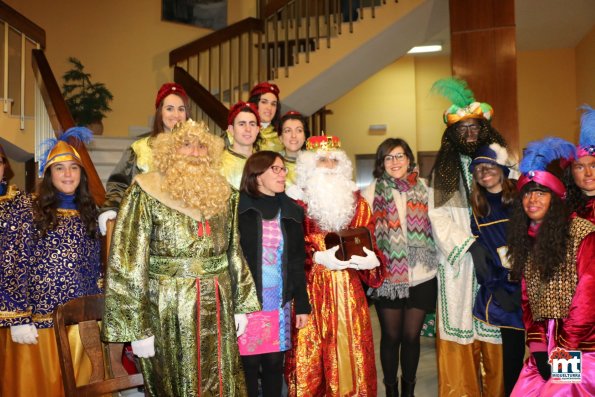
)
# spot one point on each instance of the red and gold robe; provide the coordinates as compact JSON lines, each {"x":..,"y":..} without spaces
{"x":333,"y":354}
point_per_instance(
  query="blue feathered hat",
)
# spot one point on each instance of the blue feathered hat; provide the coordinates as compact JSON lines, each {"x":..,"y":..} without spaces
{"x":586,"y":143}
{"x":58,"y":150}
{"x":537,"y":156}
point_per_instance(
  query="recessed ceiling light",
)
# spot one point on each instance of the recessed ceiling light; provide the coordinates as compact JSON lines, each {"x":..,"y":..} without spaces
{"x":425,"y":48}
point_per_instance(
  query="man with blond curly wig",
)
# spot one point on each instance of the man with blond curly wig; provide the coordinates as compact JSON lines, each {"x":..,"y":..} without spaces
{"x":176,"y":274}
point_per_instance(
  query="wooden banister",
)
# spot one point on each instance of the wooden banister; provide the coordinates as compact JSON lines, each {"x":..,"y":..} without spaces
{"x":61,"y":119}
{"x":214,"y":39}
{"x":22,"y":24}
{"x":208,"y":102}
{"x":272,"y":7}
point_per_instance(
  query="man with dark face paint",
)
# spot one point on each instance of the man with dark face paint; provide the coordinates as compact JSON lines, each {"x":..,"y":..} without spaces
{"x":465,"y":345}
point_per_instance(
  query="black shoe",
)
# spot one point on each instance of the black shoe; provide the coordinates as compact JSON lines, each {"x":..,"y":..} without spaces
{"x":407,"y":388}
{"x":392,"y":390}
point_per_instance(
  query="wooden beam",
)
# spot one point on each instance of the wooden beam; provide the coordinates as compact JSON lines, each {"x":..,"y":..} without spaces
{"x":483,"y":53}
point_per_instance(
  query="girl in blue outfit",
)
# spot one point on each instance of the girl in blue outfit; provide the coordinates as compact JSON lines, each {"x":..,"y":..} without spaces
{"x":497,"y":302}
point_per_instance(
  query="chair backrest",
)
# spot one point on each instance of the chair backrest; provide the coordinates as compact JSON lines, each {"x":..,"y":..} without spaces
{"x":87,"y":311}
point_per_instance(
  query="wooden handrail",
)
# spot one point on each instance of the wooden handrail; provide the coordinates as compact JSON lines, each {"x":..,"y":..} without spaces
{"x":220,"y":36}
{"x":61,"y":119}
{"x":208,"y":102}
{"x":273,"y":7}
{"x":22,"y":24}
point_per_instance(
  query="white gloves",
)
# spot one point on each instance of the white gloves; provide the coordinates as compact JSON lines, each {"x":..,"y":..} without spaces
{"x":144,"y":348}
{"x":294,"y":192}
{"x":368,"y":262}
{"x":103,"y":218}
{"x":25,"y":334}
{"x":241,"y":321}
{"x":329,"y":260}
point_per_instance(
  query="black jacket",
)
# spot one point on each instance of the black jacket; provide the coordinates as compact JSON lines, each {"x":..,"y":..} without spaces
{"x":294,"y":253}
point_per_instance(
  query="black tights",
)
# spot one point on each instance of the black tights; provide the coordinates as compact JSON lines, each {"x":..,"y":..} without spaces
{"x":513,"y":355}
{"x":400,"y":329}
{"x":272,"y":373}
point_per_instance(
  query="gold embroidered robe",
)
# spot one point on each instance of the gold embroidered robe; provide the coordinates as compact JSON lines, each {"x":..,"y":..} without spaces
{"x":181,"y":278}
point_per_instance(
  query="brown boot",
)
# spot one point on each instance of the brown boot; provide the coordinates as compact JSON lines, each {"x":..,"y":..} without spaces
{"x":407,"y":388}
{"x":392,"y":390}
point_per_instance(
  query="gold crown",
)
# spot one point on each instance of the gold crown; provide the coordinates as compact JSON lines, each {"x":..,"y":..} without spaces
{"x":323,"y":142}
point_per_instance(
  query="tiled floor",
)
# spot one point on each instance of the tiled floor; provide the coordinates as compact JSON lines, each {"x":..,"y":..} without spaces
{"x":427,"y":376}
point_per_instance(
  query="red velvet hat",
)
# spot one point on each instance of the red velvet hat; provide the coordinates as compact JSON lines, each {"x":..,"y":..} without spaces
{"x":264,"y":87}
{"x":170,"y":88}
{"x":242,"y":107}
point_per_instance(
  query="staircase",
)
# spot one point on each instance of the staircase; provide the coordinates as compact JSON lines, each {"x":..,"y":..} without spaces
{"x":106,"y":152}
{"x":304,"y":46}
{"x":42,"y":111}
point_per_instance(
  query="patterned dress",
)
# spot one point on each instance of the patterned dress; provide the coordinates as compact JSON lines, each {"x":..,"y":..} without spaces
{"x":270,"y":329}
{"x":333,"y":354}
{"x":37,"y":275}
{"x":178,"y":277}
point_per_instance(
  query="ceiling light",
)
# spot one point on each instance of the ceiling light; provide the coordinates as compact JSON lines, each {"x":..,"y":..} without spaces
{"x":425,"y":48}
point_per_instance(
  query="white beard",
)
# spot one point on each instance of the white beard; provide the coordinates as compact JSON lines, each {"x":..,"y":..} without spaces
{"x":330,"y":199}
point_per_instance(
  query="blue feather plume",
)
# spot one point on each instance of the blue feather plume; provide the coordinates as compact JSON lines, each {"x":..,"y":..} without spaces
{"x":539,"y":154}
{"x":587,"y":137}
{"x":83,"y":134}
{"x":455,"y":90}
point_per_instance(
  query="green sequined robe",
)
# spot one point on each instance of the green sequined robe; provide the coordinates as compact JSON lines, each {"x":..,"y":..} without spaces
{"x":173,"y":275}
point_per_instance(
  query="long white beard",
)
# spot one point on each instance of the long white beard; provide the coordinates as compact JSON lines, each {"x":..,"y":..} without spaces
{"x":330,"y":199}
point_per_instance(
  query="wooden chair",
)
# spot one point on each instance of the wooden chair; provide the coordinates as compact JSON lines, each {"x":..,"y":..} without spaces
{"x":86,"y":311}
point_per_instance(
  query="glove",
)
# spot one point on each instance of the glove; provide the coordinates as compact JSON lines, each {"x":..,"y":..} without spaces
{"x":510,"y":302}
{"x":329,"y":260}
{"x":241,"y":321}
{"x":542,"y":365}
{"x":368,"y":262}
{"x":481,"y":256}
{"x":103,"y":218}
{"x":144,"y":348}
{"x":25,"y":334}
{"x":295,"y":192}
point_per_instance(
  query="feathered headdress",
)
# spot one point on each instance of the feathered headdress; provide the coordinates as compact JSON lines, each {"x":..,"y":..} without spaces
{"x":464,"y":106}
{"x":536,"y":158}
{"x":586,"y":143}
{"x":57,"y":150}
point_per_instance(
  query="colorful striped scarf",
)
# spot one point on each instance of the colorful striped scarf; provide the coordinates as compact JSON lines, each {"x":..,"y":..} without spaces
{"x":402,"y":251}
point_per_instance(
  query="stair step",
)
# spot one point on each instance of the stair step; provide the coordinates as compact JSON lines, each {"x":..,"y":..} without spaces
{"x":111,"y":143}
{"x":106,"y":156}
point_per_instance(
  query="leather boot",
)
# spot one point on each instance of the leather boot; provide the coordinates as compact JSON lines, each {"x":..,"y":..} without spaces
{"x":392,"y":390}
{"x":407,"y":388}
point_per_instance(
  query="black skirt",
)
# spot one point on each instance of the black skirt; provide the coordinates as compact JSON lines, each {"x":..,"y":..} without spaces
{"x":423,"y":296}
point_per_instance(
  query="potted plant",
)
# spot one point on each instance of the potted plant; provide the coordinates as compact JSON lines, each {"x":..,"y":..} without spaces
{"x":88,"y":102}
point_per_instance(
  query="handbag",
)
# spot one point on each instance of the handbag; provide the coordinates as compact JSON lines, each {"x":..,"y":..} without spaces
{"x":350,"y":242}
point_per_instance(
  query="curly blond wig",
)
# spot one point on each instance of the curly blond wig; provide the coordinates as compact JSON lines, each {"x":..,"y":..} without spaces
{"x":195,"y":181}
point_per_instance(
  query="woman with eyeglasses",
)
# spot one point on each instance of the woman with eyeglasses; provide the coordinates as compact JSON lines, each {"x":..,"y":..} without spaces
{"x":272,"y":239}
{"x":399,"y":201}
{"x":498,"y":300}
